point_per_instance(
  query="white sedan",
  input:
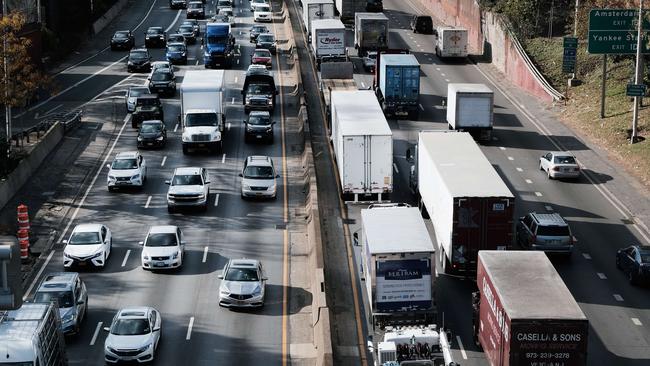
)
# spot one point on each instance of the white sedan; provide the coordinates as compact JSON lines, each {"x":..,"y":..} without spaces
{"x":88,"y":245}
{"x":263,"y":13}
{"x":559,"y":165}
{"x":163,"y":248}
{"x":133,"y":335}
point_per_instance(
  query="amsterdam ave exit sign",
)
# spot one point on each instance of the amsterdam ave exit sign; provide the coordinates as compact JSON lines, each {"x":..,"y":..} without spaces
{"x":614,"y":31}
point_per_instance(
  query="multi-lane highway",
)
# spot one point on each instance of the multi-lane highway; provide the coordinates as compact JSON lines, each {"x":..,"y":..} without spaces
{"x":196,"y":331}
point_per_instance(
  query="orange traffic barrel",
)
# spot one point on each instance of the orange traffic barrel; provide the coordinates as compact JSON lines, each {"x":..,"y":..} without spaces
{"x":23,"y":240}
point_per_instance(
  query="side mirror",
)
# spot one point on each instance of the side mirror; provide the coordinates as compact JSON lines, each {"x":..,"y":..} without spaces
{"x":244,"y":121}
{"x":356,"y":238}
{"x":156,"y":329}
{"x":409,"y":155}
{"x":168,"y":182}
{"x":108,"y":329}
{"x":241,"y":175}
{"x":265,"y":278}
{"x":220,"y":277}
{"x":80,"y":302}
{"x":140,"y":243}
{"x":273,"y":122}
{"x":207,"y":182}
{"x":108,"y":166}
{"x":183,"y":242}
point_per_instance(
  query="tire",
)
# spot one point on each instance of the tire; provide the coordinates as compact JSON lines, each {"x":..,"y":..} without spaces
{"x":185,"y":150}
{"x":170,"y":209}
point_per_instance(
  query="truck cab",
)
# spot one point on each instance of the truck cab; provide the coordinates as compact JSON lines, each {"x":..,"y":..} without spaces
{"x":259,"y":89}
{"x":218,"y":45}
{"x":202,"y":114}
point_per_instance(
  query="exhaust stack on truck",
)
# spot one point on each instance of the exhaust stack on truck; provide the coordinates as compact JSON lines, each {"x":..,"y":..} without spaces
{"x":524,"y":314}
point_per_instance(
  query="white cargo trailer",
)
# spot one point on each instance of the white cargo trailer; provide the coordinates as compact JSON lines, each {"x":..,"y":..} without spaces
{"x":470,"y":108}
{"x":451,"y":42}
{"x":363,"y":144}
{"x":328,"y":41}
{"x":316,"y":9}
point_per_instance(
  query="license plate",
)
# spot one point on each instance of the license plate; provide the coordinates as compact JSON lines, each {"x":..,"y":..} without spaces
{"x":201,"y":145}
{"x":159,"y":264}
{"x":149,"y":143}
{"x":122,"y":183}
{"x":82,"y":264}
{"x":258,"y":193}
{"x":401,"y":113}
{"x":259,"y":136}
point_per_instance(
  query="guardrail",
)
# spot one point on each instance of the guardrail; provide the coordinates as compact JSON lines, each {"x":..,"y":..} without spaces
{"x":69,"y":119}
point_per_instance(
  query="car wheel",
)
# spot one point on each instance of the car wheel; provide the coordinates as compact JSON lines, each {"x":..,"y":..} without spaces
{"x":170,"y":209}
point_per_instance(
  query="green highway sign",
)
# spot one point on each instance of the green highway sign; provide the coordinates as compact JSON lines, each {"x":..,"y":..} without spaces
{"x":614,"y":31}
{"x":570,"y":42}
{"x":635,"y":90}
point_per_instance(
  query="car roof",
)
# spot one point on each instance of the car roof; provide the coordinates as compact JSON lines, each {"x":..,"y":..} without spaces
{"x":139,"y":50}
{"x":158,"y":229}
{"x":152,"y":122}
{"x":156,"y":28}
{"x":127,"y":155}
{"x":87,"y":228}
{"x":549,"y":219}
{"x":123,"y":31}
{"x":57,"y":281}
{"x":259,"y":113}
{"x":176,"y":43}
{"x":259,"y":160}
{"x":244,"y":263}
{"x":136,"y":312}
{"x":187,"y":171}
{"x":561,"y":153}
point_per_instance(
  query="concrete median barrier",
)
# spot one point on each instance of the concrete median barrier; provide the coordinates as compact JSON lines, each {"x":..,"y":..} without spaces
{"x":110,"y":14}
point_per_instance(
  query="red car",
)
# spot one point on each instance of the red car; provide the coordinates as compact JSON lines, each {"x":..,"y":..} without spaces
{"x":261,"y":57}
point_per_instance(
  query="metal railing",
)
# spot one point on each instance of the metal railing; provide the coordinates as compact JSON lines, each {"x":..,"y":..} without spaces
{"x":69,"y":119}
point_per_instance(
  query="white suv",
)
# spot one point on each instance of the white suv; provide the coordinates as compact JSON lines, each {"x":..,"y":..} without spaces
{"x":259,"y":178}
{"x":129,"y":169}
{"x":163,"y":248}
{"x":88,"y":245}
{"x":189,"y":187}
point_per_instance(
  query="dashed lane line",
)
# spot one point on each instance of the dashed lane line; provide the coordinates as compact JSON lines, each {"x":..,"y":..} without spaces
{"x":586,"y":256}
{"x":223,"y":159}
{"x":636,"y":321}
{"x":176,"y":127}
{"x":126,"y":257}
{"x":146,"y":205}
{"x":189,"y":329}
{"x":529,"y":181}
{"x":395,"y":168}
{"x":601,"y":276}
{"x":538,"y":194}
{"x":162,"y":163}
{"x":97,"y":329}
{"x":461,"y":347}
{"x":519,"y":169}
{"x":548,"y":208}
{"x":216,"y":200}
{"x":618,"y":297}
{"x":205,"y":254}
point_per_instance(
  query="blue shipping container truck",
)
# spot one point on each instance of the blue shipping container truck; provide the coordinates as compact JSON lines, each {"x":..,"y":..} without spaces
{"x":218,"y":45}
{"x":398,"y":89}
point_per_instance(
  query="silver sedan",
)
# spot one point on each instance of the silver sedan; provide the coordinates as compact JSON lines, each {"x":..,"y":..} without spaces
{"x":242,"y":284}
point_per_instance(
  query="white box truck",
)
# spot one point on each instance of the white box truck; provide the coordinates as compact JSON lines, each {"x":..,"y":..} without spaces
{"x":202,"y":111}
{"x":451,"y":42}
{"x":470,"y":206}
{"x":470,"y":108}
{"x":363,"y":144}
{"x":31,"y":335}
{"x":316,"y":9}
{"x":328,"y":41}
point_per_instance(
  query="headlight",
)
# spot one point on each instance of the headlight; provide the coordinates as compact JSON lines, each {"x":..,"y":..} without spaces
{"x":140,"y":138}
{"x":206,"y":54}
{"x":224,"y":292}
{"x":271,"y":188}
{"x":142,"y":349}
{"x":186,"y":138}
{"x":130,"y":63}
{"x":269,"y":101}
{"x":216,"y":136}
{"x":159,"y":138}
{"x":145,"y":257}
{"x":110,"y":177}
{"x":170,"y":197}
{"x":151,"y":85}
{"x":201,"y":196}
{"x":135,"y":177}
{"x":246,"y":186}
{"x":66,"y":256}
{"x":269,"y":129}
{"x":257,"y":291}
{"x":97,"y":255}
{"x":183,"y":54}
{"x":248,"y":100}
{"x":175,"y":255}
{"x":111,"y":349}
{"x":67,"y":318}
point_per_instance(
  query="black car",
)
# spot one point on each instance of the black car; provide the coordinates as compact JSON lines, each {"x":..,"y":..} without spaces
{"x":195,"y":10}
{"x":176,"y":53}
{"x":374,"y":6}
{"x":154,"y":37}
{"x":178,"y":4}
{"x":176,"y":38}
{"x":266,"y":41}
{"x":162,"y":82}
{"x":139,"y":60}
{"x":256,"y":30}
{"x":122,"y":40}
{"x":152,"y":133}
{"x":258,"y":127}
{"x":188,"y":32}
{"x":147,"y":107}
{"x":422,"y":24}
{"x":195,"y":24}
{"x":635,"y":263}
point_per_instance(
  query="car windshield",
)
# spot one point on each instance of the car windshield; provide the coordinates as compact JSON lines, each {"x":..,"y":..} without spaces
{"x":121,"y":35}
{"x":176,"y":48}
{"x":154,"y":31}
{"x":553,"y":231}
{"x":259,"y":1}
{"x":84,"y":238}
{"x":259,"y":120}
{"x":136,"y":92}
{"x":161,"y":240}
{"x":201,"y":119}
{"x":564,"y":160}
{"x":260,"y":29}
{"x":262,"y":53}
{"x":161,"y":76}
{"x":63,"y":298}
{"x":241,"y":274}
{"x":263,"y":8}
{"x":130,"y":327}
{"x":138,"y":55}
{"x":265,"y":38}
{"x":259,"y":89}
{"x":122,"y":164}
{"x":645,"y":256}
{"x":187,"y":180}
{"x":186,"y":29}
{"x":424,"y":21}
{"x":150,"y":127}
{"x":258,"y":172}
{"x":195,"y":6}
{"x":221,"y":39}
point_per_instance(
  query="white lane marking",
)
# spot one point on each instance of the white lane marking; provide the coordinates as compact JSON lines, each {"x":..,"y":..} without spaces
{"x":519,"y":170}
{"x":162,"y":163}
{"x":511,"y":158}
{"x":618,"y":297}
{"x":92,"y":182}
{"x":601,"y":276}
{"x":223,"y":159}
{"x":538,"y":194}
{"x":189,"y":329}
{"x":421,"y":107}
{"x":94,"y":338}
{"x":205,"y":254}
{"x":529,"y":181}
{"x":636,"y":321}
{"x":363,"y":85}
{"x":201,"y":47}
{"x":548,"y":208}
{"x":395,"y":168}
{"x":53,"y":109}
{"x":178,"y":14}
{"x":587,"y":256}
{"x":502,"y":148}
{"x":494,"y":138}
{"x":447,"y":80}
{"x":461,"y":347}
{"x":126,"y":257}
{"x":235,"y":80}
{"x":442,"y":74}
{"x":216,"y":200}
{"x":232,"y":101}
{"x":228,"y":126}
{"x":176,"y":127}
{"x":38,"y":275}
{"x":146,"y":205}
{"x":437,"y":69}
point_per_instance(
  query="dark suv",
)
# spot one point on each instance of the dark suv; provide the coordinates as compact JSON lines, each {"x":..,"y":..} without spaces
{"x":147,"y":107}
{"x":155,"y":37}
{"x":177,"y":4}
{"x":139,"y":60}
{"x":422,"y":24}
{"x":258,"y":127}
{"x":163,"y":82}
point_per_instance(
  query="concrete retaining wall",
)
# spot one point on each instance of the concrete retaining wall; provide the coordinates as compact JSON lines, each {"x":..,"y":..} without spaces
{"x":28,"y":165}
{"x":489,"y":37}
{"x":102,"y":22}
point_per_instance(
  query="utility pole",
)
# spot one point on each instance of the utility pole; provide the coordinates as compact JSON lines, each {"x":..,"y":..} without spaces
{"x":6,"y":75}
{"x":637,"y":76}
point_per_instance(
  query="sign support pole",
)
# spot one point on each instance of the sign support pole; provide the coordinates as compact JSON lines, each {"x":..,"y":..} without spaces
{"x":637,"y":76}
{"x":603,"y":87}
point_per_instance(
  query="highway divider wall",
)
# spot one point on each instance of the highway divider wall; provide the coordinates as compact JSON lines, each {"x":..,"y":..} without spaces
{"x":30,"y":163}
{"x":110,"y":14}
{"x":491,"y":39}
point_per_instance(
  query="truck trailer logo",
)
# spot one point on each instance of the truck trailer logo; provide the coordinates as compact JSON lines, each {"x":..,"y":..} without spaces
{"x":330,"y":40}
{"x":403,"y":274}
{"x":498,"y":313}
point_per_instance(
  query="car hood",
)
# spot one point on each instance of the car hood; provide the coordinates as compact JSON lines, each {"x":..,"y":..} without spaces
{"x":259,"y":182}
{"x":160,"y":251}
{"x":82,"y":250}
{"x":239,"y":287}
{"x":138,"y":61}
{"x":175,"y":53}
{"x":185,"y":189}
{"x":66,"y":311}
{"x":154,"y":36}
{"x":200,"y":130}
{"x":123,"y":172}
{"x":128,"y":341}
